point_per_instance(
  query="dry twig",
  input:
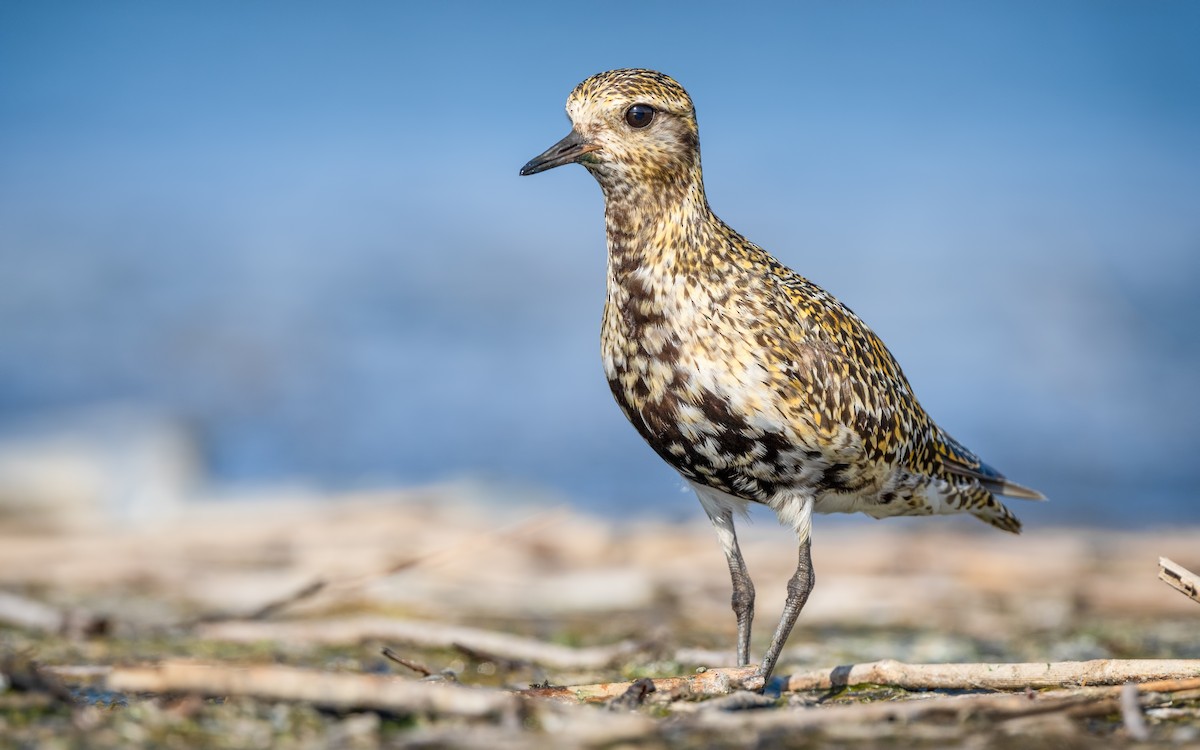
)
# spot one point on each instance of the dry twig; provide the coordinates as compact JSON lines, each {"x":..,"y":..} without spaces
{"x":350,"y":692}
{"x":329,"y":689}
{"x":375,"y":692}
{"x":909,"y":676}
{"x":986,"y":676}
{"x":425,"y":634}
{"x":305,"y":592}
{"x":415,"y":666}
{"x":1078,"y":702}
{"x":1179,"y":578}
{"x":708,"y":682}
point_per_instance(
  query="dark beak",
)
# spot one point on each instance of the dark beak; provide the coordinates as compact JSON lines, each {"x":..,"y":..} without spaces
{"x":567,"y":150}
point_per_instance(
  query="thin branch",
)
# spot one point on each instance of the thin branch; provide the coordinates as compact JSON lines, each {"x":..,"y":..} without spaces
{"x":426,"y":634}
{"x":994,"y":676}
{"x":709,"y":682}
{"x":508,"y":711}
{"x":1077,"y":703}
{"x":328,"y":689}
{"x":911,"y":677}
{"x":415,"y":666}
{"x":356,"y":692}
{"x":270,"y":608}
{"x":263,"y":611}
{"x":1179,"y":578}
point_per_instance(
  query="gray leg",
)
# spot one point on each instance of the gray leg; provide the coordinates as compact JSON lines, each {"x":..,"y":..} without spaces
{"x":798,"y":589}
{"x":743,"y":587}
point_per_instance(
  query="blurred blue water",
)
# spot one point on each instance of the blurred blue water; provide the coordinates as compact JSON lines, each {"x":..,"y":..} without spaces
{"x":299,"y":227}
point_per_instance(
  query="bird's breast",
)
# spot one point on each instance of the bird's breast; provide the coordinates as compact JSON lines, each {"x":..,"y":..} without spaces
{"x":706,"y":393}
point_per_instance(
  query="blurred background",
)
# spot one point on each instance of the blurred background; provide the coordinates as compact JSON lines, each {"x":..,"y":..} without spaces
{"x":285,"y":244}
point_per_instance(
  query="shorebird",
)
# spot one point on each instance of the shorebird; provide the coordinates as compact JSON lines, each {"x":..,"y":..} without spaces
{"x":751,"y":381}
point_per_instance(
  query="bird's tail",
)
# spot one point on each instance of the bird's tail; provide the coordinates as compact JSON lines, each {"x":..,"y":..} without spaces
{"x":983,"y":484}
{"x":998,"y":515}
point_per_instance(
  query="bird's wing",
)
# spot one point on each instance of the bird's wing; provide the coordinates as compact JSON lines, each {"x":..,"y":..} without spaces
{"x":850,"y":376}
{"x":958,"y":460}
{"x":861,"y":385}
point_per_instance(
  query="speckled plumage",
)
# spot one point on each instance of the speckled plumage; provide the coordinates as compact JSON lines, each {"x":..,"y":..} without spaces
{"x":753,"y":382}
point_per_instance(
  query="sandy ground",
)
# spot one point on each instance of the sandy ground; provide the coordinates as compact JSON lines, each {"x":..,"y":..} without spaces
{"x":326,"y":582}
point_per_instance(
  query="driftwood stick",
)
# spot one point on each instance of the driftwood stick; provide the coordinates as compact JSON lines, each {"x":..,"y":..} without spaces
{"x":916,"y":677}
{"x":994,"y":676}
{"x":426,"y":634}
{"x":710,"y":682}
{"x":328,"y":689}
{"x":30,"y":614}
{"x":355,"y":692}
{"x":1077,"y":702}
{"x":375,"y":692}
{"x":1179,"y":578}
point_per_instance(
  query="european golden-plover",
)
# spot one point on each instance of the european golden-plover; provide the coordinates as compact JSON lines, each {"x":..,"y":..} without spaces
{"x":751,"y":381}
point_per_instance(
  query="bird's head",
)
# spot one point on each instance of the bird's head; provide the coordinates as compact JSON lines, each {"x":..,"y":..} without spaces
{"x":630,"y":128}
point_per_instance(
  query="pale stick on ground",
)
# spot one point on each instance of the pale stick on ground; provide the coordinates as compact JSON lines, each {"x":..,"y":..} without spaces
{"x":1018,"y":676}
{"x":356,"y":692}
{"x":1179,"y":578}
{"x":376,"y":692}
{"x":1078,"y":702}
{"x":424,"y":634}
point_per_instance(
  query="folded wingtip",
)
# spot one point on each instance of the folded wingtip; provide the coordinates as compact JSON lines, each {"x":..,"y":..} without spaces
{"x":1012,"y":489}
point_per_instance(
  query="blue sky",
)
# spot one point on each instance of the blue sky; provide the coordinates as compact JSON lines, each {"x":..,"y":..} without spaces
{"x":299,"y":225}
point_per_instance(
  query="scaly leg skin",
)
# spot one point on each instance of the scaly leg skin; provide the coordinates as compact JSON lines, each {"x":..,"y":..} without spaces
{"x":799,"y":587}
{"x":743,"y":587}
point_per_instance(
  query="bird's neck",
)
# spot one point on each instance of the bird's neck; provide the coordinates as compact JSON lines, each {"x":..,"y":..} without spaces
{"x":654,"y":226}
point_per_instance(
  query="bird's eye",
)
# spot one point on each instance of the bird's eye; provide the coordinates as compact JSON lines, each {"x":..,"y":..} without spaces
{"x":639,"y":115}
